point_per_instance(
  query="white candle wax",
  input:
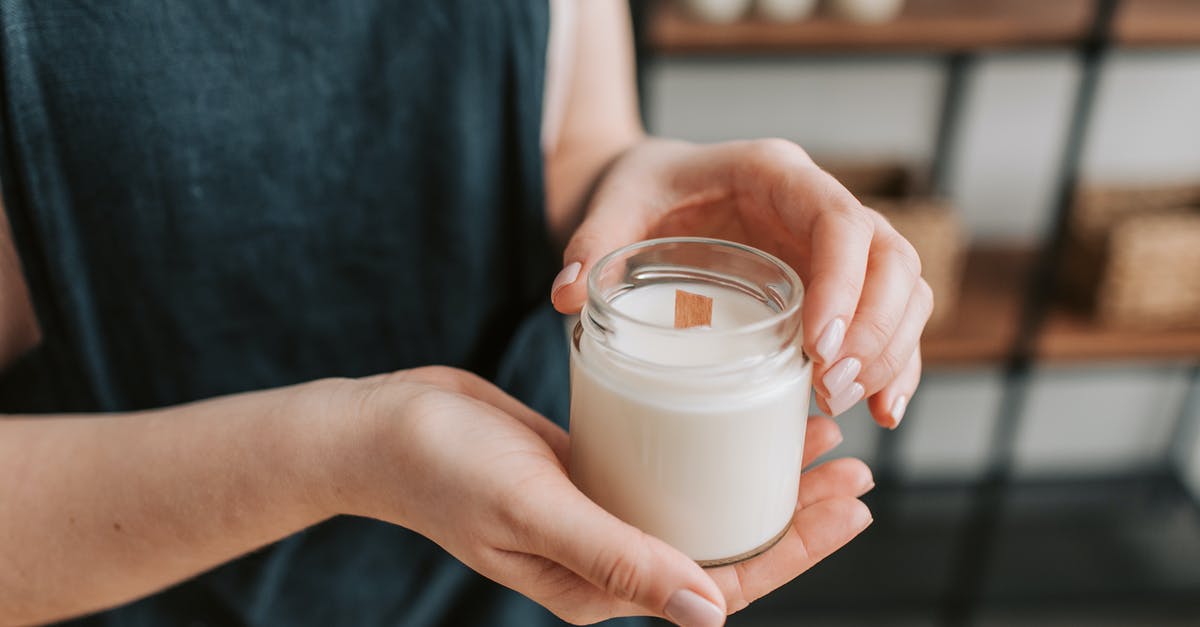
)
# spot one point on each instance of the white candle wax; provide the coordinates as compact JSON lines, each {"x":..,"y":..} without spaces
{"x":707,"y":461}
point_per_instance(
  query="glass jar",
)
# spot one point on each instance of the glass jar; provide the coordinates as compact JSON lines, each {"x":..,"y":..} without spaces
{"x":692,"y":435}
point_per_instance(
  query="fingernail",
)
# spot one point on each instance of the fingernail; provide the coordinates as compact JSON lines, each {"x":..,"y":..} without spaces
{"x":841,"y":375}
{"x":565,"y":277}
{"x":846,"y":399}
{"x":831,"y":340}
{"x":692,"y":610}
{"x":898,"y":407}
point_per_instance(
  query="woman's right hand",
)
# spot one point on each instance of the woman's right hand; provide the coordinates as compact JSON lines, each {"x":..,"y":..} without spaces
{"x":450,"y":456}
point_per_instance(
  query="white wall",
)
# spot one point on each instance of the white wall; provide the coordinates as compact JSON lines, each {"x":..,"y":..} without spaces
{"x":1010,"y":143}
{"x":886,"y":108}
{"x":1082,"y":419}
{"x":1146,"y":122}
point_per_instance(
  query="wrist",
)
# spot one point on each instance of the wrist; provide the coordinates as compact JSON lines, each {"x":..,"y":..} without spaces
{"x":334,"y":439}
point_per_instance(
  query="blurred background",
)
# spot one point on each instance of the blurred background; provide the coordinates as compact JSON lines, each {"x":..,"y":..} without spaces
{"x":1044,"y":158}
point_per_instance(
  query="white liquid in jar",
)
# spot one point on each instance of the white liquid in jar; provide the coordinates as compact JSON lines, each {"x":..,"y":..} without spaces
{"x":709,"y":463}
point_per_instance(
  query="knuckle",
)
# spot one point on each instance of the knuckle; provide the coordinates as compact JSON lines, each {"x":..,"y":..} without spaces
{"x":621,"y":570}
{"x":889,"y":366}
{"x":428,"y":374}
{"x":771,"y":152}
{"x":927,"y":298}
{"x":444,"y":377}
{"x":839,"y":216}
{"x":876,"y":329}
{"x":900,"y":251}
{"x":738,"y":601}
{"x":840,"y":283}
{"x":773,"y":148}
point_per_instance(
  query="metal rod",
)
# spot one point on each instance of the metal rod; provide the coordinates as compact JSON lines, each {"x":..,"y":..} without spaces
{"x":887,"y":462}
{"x":1185,"y":432}
{"x":949,"y":121}
{"x":639,"y":13}
{"x":978,"y":537}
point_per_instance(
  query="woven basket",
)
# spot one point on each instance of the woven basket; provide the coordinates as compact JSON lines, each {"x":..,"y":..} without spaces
{"x":1133,"y":255}
{"x":933,"y":228}
{"x":900,"y":193}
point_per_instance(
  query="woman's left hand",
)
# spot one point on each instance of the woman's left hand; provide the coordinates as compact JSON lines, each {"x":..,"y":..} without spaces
{"x":865,"y":302}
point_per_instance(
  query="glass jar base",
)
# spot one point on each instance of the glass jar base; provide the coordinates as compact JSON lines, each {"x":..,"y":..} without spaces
{"x":752,"y":553}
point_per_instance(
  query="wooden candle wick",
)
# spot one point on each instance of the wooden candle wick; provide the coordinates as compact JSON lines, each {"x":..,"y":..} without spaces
{"x":692,"y":310}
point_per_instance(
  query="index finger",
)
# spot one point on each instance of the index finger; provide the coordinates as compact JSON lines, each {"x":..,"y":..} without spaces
{"x":824,"y":217}
{"x":840,"y":241}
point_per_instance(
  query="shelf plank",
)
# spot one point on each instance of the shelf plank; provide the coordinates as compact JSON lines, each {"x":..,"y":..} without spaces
{"x":1070,"y":336}
{"x":984,"y":326}
{"x":923,"y":26}
{"x":1158,"y":23}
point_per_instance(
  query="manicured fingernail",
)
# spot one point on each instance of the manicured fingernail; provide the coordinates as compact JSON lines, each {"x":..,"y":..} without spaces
{"x":846,"y":399}
{"x":898,"y":407}
{"x":565,"y":277}
{"x":692,"y":610}
{"x":830,"y":341}
{"x":841,"y":375}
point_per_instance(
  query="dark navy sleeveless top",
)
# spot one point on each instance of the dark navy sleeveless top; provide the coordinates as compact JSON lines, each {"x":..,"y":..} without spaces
{"x":211,"y":197}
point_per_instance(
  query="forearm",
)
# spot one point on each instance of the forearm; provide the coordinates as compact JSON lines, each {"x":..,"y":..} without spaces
{"x":573,"y":177}
{"x":99,"y":510}
{"x":601,"y":119}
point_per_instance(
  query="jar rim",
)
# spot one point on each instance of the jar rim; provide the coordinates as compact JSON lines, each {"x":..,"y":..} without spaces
{"x":607,"y":309}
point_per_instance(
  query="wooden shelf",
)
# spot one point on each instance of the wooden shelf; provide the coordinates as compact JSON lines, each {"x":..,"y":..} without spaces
{"x":985,"y":322}
{"x":924,"y":26}
{"x":984,"y":325}
{"x":1158,"y":23}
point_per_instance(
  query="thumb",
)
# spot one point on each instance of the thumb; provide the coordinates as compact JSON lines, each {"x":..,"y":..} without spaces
{"x":606,"y":229}
{"x":628,"y":564}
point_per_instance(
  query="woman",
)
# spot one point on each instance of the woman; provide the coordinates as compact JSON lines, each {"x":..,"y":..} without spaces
{"x":267,"y":206}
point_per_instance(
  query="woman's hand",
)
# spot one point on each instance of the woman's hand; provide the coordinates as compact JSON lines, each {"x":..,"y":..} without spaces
{"x":452,"y":457}
{"x":866,"y":303}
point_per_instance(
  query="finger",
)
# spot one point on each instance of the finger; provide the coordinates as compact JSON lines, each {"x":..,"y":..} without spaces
{"x":840,"y":241}
{"x":892,"y":272}
{"x":841,"y":477}
{"x":607,"y":228}
{"x":822,"y":404}
{"x":817,"y":211}
{"x":897,"y":356}
{"x":817,"y":531}
{"x":820,"y":437}
{"x":888,"y":406}
{"x":563,"y":525}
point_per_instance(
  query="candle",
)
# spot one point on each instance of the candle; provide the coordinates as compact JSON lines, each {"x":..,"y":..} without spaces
{"x":692,"y":435}
{"x":867,"y":11}
{"x":785,"y":10}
